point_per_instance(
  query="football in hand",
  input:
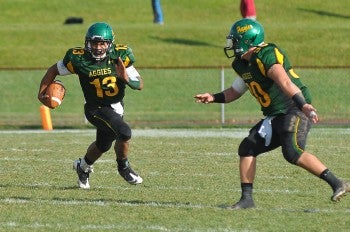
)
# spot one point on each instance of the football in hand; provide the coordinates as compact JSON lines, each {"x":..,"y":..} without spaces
{"x":56,"y":92}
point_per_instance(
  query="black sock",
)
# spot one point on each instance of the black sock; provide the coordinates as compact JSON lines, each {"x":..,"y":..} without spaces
{"x":331,"y":179}
{"x":122,"y":163}
{"x":87,"y":161}
{"x":247,"y":190}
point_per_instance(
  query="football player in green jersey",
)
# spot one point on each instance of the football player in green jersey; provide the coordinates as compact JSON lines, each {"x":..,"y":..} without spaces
{"x":104,"y":70}
{"x":265,"y":71}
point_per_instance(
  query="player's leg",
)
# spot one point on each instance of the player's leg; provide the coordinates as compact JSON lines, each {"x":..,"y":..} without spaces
{"x":293,"y":147}
{"x":84,"y":165}
{"x":312,"y":164}
{"x":104,"y":138}
{"x":249,"y":148}
{"x":247,"y":169}
{"x":121,"y":148}
{"x":121,"y":133}
{"x":157,"y":12}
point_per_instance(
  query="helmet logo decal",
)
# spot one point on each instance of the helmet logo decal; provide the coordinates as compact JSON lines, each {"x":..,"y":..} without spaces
{"x":243,"y":28}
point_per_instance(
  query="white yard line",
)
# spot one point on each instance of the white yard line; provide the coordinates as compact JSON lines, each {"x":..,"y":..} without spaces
{"x":236,"y":133}
{"x":109,"y":227}
{"x":227,"y":132}
{"x":147,"y":204}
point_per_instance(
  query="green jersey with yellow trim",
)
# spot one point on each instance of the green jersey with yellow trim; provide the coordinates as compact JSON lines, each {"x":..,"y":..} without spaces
{"x":270,"y":97}
{"x":98,"y":79}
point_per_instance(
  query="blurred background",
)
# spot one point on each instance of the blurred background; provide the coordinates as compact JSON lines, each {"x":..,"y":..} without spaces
{"x":178,"y":59}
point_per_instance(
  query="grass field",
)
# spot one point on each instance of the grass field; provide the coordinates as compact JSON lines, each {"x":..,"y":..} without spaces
{"x":190,"y":175}
{"x":314,"y":32}
{"x":167,"y":99}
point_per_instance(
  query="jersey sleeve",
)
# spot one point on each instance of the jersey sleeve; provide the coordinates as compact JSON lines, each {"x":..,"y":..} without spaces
{"x":273,"y":55}
{"x":270,"y":55}
{"x":62,"y":69}
{"x":67,"y":60}
{"x":239,"y":85}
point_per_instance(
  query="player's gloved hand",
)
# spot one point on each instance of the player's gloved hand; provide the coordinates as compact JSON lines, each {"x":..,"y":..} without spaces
{"x":121,"y":70}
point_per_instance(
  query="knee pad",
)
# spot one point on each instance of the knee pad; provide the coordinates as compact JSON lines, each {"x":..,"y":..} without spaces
{"x":103,"y":145}
{"x":124,"y":132}
{"x":294,"y":141}
{"x":291,"y":154}
{"x":245,"y":148}
{"x":121,"y":129}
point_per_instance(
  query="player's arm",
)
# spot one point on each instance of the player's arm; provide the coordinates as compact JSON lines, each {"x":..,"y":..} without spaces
{"x":129,"y":75}
{"x":235,"y":91}
{"x":281,"y":78}
{"x":47,"y":79}
{"x":56,"y":69}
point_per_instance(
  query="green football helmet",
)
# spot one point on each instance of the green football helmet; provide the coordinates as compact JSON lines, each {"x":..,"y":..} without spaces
{"x":244,"y":34}
{"x":99,"y":32}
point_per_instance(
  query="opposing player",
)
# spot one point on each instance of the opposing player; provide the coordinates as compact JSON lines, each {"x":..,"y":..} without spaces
{"x":285,"y":101}
{"x":104,"y":70}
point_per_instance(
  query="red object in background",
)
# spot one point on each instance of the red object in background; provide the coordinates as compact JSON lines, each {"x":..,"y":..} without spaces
{"x":247,"y":8}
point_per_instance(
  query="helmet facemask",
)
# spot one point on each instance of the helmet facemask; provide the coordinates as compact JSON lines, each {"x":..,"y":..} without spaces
{"x":233,"y":44}
{"x":98,"y":47}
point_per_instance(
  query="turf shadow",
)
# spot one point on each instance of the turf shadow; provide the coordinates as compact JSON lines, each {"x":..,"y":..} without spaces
{"x":183,"y":41}
{"x":325,"y":13}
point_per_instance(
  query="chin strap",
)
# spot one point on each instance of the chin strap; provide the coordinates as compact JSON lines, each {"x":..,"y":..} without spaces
{"x":98,"y":58}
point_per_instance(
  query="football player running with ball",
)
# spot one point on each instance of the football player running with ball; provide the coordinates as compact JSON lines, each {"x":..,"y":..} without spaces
{"x":104,"y":70}
{"x":264,"y":69}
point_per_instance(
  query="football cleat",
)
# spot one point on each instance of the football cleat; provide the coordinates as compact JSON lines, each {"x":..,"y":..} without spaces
{"x":129,"y":175}
{"x":243,"y":203}
{"x":83,"y":176}
{"x":341,"y":191}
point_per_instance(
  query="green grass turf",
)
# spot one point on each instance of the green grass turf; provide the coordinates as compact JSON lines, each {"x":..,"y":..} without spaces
{"x":314,"y":33}
{"x":189,"y":177}
{"x":167,"y":99}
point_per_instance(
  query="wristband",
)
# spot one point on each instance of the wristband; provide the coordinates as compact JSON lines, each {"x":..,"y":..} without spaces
{"x":299,"y":100}
{"x":134,"y":84}
{"x":219,"y":97}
